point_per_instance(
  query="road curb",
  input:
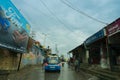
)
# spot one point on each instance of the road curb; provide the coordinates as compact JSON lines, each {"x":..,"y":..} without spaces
{"x":101,"y":75}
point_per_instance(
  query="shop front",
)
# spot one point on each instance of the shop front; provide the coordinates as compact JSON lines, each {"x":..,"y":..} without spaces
{"x":113,"y":35}
{"x":96,"y":49}
{"x":79,"y":53}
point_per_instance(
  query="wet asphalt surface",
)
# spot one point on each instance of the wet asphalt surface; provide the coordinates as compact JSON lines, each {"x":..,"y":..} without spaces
{"x":38,"y":73}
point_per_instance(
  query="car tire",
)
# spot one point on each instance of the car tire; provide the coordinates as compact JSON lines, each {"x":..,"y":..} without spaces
{"x":59,"y":71}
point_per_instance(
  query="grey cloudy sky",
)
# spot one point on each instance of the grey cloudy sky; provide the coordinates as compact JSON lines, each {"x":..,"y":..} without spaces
{"x":63,"y":25}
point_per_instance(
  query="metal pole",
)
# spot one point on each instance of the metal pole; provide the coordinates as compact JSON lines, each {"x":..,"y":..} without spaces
{"x":19,"y":62}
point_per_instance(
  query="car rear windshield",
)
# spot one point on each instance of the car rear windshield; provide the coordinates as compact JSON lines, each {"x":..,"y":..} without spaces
{"x":53,"y":60}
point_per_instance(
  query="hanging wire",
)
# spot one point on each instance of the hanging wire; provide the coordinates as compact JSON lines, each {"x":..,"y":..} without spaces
{"x":69,"y":4}
{"x":64,"y":25}
{"x":56,"y":17}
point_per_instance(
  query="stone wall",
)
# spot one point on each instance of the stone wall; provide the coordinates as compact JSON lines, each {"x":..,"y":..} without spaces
{"x":8,"y":60}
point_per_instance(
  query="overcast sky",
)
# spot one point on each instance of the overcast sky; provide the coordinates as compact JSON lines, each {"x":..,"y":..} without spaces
{"x":64,"y":26}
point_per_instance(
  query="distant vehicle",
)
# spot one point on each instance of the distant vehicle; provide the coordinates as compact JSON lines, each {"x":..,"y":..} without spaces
{"x":53,"y":64}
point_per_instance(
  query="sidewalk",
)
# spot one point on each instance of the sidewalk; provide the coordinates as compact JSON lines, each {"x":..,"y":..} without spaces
{"x":18,"y":75}
{"x":101,"y":73}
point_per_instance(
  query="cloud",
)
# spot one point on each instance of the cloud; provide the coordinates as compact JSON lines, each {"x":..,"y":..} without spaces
{"x":74,"y":27}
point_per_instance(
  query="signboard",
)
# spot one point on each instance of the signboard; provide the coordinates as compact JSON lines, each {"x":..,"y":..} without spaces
{"x":113,"y":27}
{"x":14,"y":29}
{"x":100,"y":34}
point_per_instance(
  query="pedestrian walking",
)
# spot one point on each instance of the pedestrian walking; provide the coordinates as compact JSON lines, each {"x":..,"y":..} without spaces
{"x":76,"y":64}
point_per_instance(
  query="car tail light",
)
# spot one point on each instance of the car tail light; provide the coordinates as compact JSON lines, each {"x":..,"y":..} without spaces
{"x":46,"y":64}
{"x":59,"y":64}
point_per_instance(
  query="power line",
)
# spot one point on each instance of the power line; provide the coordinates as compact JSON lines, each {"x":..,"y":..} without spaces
{"x":58,"y":18}
{"x":37,"y":9}
{"x":66,"y":26}
{"x":55,"y":16}
{"x":69,"y":4}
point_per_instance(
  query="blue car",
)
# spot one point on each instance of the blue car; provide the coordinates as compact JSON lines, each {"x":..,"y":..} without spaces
{"x":53,"y":64}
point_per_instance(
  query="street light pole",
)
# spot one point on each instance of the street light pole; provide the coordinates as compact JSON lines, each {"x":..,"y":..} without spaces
{"x":44,"y":41}
{"x":56,"y":49}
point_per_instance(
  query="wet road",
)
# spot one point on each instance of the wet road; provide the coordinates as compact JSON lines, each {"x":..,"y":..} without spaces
{"x":66,"y":73}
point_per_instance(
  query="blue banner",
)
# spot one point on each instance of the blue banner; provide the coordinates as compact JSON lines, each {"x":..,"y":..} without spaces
{"x":100,"y":34}
{"x":14,"y":29}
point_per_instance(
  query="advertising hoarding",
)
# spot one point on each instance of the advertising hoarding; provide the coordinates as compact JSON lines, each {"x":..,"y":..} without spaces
{"x":113,"y":27}
{"x":14,"y":29}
